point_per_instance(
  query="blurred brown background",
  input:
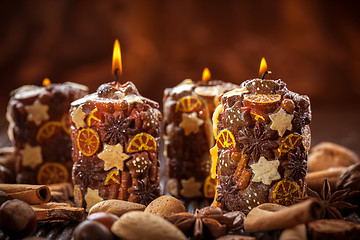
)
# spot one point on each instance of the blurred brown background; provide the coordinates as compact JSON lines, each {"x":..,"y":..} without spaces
{"x":312,"y":45}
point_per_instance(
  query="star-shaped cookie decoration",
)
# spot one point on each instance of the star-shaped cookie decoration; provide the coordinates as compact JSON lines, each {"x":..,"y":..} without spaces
{"x":31,"y":156}
{"x":265,"y":171}
{"x":281,"y":121}
{"x":190,"y":123}
{"x":37,"y":112}
{"x":190,"y":188}
{"x":113,"y":156}
{"x":78,"y":117}
{"x":91,"y":198}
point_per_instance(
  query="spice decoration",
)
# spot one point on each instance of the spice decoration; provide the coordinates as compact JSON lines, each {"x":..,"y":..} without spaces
{"x":285,"y":192}
{"x":88,"y":141}
{"x":265,"y":171}
{"x":52,"y":172}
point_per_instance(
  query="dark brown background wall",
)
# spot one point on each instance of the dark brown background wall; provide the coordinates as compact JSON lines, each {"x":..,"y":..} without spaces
{"x":312,"y":45}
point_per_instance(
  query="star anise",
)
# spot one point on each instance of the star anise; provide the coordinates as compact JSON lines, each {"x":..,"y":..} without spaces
{"x":332,"y":203}
{"x":258,"y":141}
{"x":144,"y":192}
{"x":116,"y":130}
{"x":296,"y":165}
{"x":226,"y":191}
{"x":207,"y":223}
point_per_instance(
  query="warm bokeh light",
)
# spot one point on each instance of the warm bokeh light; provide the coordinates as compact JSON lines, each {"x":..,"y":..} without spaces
{"x":263,"y":67}
{"x":46,"y":82}
{"x":206,"y":75}
{"x":116,"y":61}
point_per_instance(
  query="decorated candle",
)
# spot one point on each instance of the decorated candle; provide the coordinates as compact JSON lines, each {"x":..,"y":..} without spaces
{"x":39,"y":128}
{"x":115,"y":133}
{"x":262,"y":141}
{"x":187,"y":132}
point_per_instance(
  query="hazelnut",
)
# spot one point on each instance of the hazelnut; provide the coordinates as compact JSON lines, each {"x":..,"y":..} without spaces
{"x":106,"y":219}
{"x":88,"y":230}
{"x":288,"y":105}
{"x":17,"y":219}
{"x":3,"y":197}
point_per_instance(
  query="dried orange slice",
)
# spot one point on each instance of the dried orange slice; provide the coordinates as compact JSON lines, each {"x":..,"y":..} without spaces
{"x":52,"y":172}
{"x":225,"y":139}
{"x":187,"y":104}
{"x":112,"y":176}
{"x":47,"y":130}
{"x":209,"y":187}
{"x":285,"y":192}
{"x":88,"y":141}
{"x":142,"y":142}
{"x":262,"y":102}
{"x":94,"y":116}
{"x":306,"y":137}
{"x":258,"y":115}
{"x":66,"y":123}
{"x":288,"y":143}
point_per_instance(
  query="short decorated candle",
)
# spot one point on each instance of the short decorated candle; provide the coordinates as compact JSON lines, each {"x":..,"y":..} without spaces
{"x":115,"y":133}
{"x":262,"y":141}
{"x":188,"y":136}
{"x":39,"y":128}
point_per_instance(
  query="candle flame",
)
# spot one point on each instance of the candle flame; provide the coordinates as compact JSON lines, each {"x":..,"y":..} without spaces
{"x":263,"y":67}
{"x":46,"y":82}
{"x":116,"y":61}
{"x":206,"y":75}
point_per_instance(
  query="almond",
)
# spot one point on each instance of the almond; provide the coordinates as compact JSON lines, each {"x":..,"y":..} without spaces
{"x":165,"y":206}
{"x":330,"y":155}
{"x":117,"y":207}
{"x":137,"y":225}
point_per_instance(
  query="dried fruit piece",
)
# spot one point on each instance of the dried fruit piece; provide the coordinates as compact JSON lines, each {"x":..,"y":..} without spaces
{"x":94,"y":116}
{"x":188,"y":104}
{"x":112,"y":176}
{"x":258,"y":115}
{"x":88,"y":141}
{"x":52,"y":172}
{"x":225,"y":139}
{"x":65,"y":123}
{"x":291,"y":141}
{"x":214,"y":158}
{"x":142,"y":142}
{"x":262,"y":102}
{"x":306,"y":137}
{"x":285,"y":192}
{"x":48,"y":130}
{"x":209,"y":187}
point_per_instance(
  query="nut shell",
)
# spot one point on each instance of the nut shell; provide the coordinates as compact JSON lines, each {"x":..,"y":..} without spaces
{"x":117,"y":207}
{"x":165,"y":206}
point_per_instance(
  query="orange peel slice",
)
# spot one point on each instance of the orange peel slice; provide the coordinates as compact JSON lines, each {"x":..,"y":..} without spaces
{"x":47,"y":130}
{"x":142,"y":142}
{"x":188,"y":104}
{"x":111,"y":176}
{"x":225,"y":139}
{"x":209,"y":187}
{"x":66,"y":123}
{"x":285,"y":192}
{"x":94,"y":116}
{"x":52,"y":172}
{"x":88,"y":141}
{"x":288,"y":143}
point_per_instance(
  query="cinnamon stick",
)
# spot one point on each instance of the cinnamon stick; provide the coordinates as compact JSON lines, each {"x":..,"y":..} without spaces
{"x":315,"y":180}
{"x":269,"y":216}
{"x":32,"y":194}
{"x":295,"y":233}
{"x":53,"y":211}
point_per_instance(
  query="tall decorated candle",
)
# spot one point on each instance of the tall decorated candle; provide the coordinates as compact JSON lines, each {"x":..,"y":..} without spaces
{"x":262,"y":141}
{"x":39,"y":128}
{"x":187,"y":131}
{"x":115,"y":133}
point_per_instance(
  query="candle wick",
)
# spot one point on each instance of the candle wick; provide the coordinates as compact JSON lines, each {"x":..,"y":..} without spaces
{"x":266,"y":72}
{"x":116,"y":75}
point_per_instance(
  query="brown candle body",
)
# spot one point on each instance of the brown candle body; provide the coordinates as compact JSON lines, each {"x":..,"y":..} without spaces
{"x":263,"y":138}
{"x":115,"y":134}
{"x":39,"y":127}
{"x":188,"y":136}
